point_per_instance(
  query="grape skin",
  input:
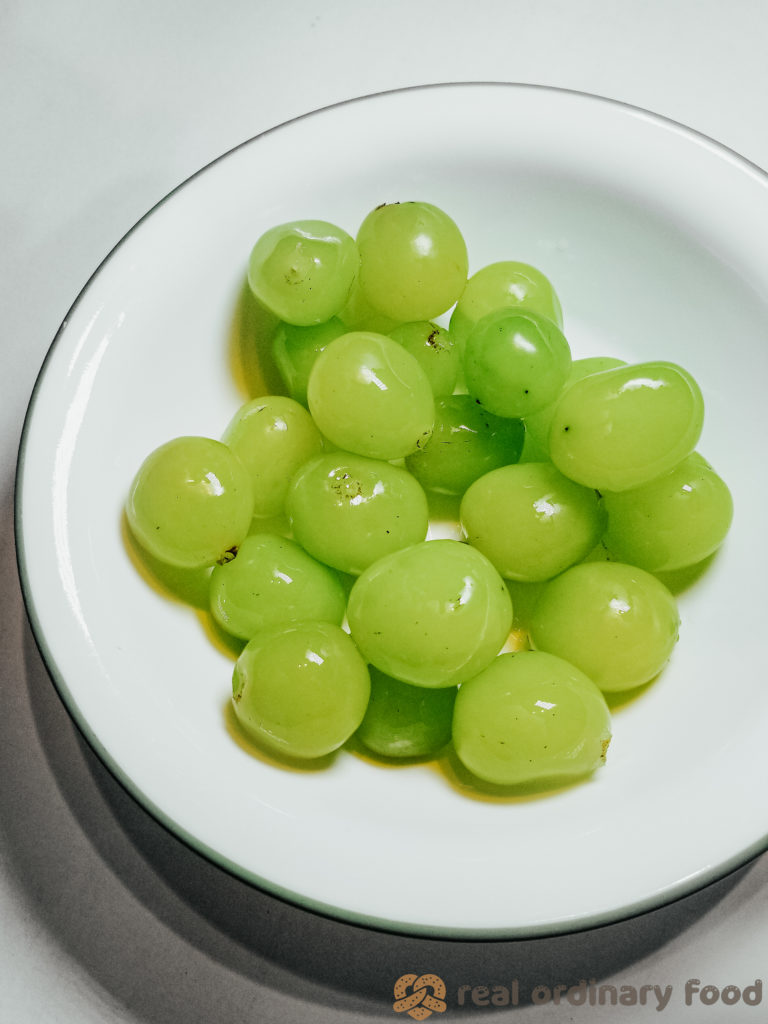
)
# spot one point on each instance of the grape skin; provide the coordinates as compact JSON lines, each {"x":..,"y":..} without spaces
{"x":531,"y":717}
{"x":369,"y":396}
{"x":531,"y":521}
{"x":504,"y":285}
{"x":301,"y":690}
{"x":303,"y":271}
{"x":617,"y":623}
{"x":273,"y":437}
{"x":413,"y":260}
{"x":433,"y":614}
{"x":272,"y":580}
{"x":348,"y":511}
{"x":190,"y":504}
{"x":515,"y":362}
{"x":403,"y":720}
{"x":673,"y":522}
{"x":623,"y":427}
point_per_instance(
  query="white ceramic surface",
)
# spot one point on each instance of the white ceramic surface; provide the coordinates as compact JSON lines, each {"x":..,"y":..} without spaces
{"x":655,"y":240}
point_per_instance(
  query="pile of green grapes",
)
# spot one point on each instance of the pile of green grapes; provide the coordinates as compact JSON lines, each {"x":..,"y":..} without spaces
{"x":577,"y":482}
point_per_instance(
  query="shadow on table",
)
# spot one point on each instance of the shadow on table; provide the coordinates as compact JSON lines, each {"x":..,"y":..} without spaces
{"x":303,"y":954}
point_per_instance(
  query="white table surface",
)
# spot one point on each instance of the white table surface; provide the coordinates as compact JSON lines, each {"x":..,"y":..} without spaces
{"x":104,"y":107}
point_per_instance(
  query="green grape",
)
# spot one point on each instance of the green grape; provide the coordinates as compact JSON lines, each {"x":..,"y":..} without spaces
{"x":433,"y":614}
{"x":516,"y":362}
{"x":303,"y":271}
{"x":191,"y":502}
{"x":467,"y":442}
{"x":295,"y":350}
{"x":617,"y":623}
{"x":538,"y":423}
{"x":359,"y":315}
{"x":413,"y":260}
{"x":272,"y":436}
{"x":531,"y":521}
{"x":369,"y":396}
{"x":433,"y":349}
{"x":273,"y":582}
{"x":624,"y":427}
{"x":672,"y":522}
{"x":301,"y":690}
{"x":403,"y":720}
{"x":504,"y":285}
{"x":531,"y":717}
{"x":348,"y":511}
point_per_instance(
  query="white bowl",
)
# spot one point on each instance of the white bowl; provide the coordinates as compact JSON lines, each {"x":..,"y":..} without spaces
{"x":655,"y":239}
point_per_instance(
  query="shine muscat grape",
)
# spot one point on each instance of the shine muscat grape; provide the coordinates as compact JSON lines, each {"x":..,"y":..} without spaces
{"x":355,"y":620}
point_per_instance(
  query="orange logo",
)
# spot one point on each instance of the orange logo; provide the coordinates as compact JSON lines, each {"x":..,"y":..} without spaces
{"x":419,"y":995}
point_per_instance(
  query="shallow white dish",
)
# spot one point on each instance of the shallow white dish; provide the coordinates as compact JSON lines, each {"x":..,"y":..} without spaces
{"x":655,"y":240}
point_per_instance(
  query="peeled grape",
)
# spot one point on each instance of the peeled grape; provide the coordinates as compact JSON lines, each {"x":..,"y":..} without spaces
{"x":672,"y":522}
{"x":507,"y":284}
{"x":369,"y":396}
{"x":272,"y":436}
{"x":413,"y":260}
{"x":303,"y":271}
{"x":191,"y":502}
{"x":617,"y":623}
{"x":467,"y":442}
{"x":623,"y":427}
{"x":403,"y":720}
{"x":531,"y":717}
{"x":295,"y":350}
{"x":516,"y":362}
{"x":272,"y":581}
{"x":348,"y":510}
{"x":433,"y":614}
{"x":433,"y":349}
{"x":301,"y":690}
{"x":531,"y":521}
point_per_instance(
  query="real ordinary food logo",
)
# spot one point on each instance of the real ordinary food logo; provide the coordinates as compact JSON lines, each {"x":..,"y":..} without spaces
{"x":419,"y":996}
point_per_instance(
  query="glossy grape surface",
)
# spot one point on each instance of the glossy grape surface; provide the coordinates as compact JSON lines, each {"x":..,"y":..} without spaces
{"x":530,"y":717}
{"x":403,"y":720}
{"x":272,"y":436}
{"x":515,"y":362}
{"x":271,"y":582}
{"x":507,"y":284}
{"x":467,"y":442}
{"x":433,"y":614}
{"x":413,"y":260}
{"x":369,"y":396}
{"x":301,"y":691}
{"x":537,"y":424}
{"x":617,"y":623}
{"x":348,"y":510}
{"x":303,"y":271}
{"x":295,"y":350}
{"x":433,"y":349}
{"x":191,"y":502}
{"x":672,"y":522}
{"x":531,"y":521}
{"x":359,"y":315}
{"x":623,"y":427}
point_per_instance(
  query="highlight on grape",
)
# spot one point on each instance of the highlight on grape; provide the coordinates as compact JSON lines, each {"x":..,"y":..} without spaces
{"x":407,"y":382}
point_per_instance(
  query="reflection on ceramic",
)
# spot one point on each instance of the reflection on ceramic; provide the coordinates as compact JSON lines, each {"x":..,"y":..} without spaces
{"x":655,"y":240}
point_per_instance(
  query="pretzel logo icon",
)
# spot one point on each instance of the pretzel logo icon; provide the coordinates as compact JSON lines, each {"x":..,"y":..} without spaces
{"x":419,"y":995}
